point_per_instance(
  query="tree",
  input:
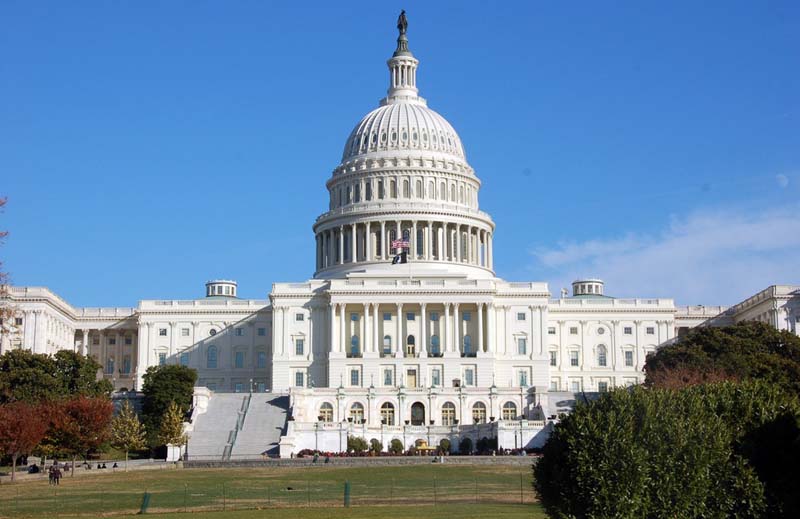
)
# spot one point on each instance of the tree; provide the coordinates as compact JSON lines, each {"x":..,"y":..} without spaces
{"x":669,"y":453}
{"x":163,"y":386}
{"x":22,"y":428}
{"x":747,"y":350}
{"x":396,"y":446}
{"x":127,"y":432}
{"x":78,"y":375}
{"x":170,"y":431}
{"x":465,"y":446}
{"x":375,"y":446}
{"x":80,"y":425}
{"x":444,"y":446}
{"x":356,"y":445}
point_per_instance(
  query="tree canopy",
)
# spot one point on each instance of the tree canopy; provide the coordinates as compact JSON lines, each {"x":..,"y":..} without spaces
{"x":22,"y":428}
{"x":748,"y":350}
{"x":163,"y":386}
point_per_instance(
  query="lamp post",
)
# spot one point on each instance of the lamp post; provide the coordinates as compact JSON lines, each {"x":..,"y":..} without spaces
{"x":383,"y":424}
{"x":491,"y":431}
{"x":316,"y":433}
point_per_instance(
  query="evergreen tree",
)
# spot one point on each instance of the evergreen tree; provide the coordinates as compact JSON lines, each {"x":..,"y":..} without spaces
{"x":127,"y":432}
{"x":171,"y":430}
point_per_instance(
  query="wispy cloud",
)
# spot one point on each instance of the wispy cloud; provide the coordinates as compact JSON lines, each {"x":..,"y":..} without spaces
{"x":707,"y":257}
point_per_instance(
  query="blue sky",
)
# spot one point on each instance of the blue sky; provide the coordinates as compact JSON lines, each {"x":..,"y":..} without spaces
{"x":146,"y":147}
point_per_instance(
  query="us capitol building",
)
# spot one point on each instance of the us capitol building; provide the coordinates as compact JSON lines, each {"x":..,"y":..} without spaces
{"x":437,"y":347}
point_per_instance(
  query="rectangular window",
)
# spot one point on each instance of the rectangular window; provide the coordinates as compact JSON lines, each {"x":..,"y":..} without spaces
{"x":520,"y":316}
{"x":388,"y":377}
{"x":162,"y":359}
{"x":469,"y":377}
{"x":128,"y":341}
{"x":184,"y":358}
{"x":262,"y":332}
{"x":627,"y":330}
{"x":299,"y":317}
{"x":602,"y":387}
{"x":522,"y":346}
{"x":410,"y":316}
{"x":554,"y":385}
{"x":436,"y":377}
{"x":354,"y":377}
{"x":651,"y":330}
{"x":299,"y":346}
{"x":553,"y":358}
{"x":523,"y":378}
{"x":126,"y":364}
{"x":239,"y":360}
{"x":299,"y":378}
{"x":573,"y":330}
{"x":434,"y":316}
{"x":261,"y":359}
{"x":467,"y":316}
{"x":387,"y":316}
{"x":629,"y":358}
{"x":112,"y":341}
{"x":551,"y":330}
{"x":238,"y":387}
{"x":240,"y":332}
{"x":573,"y":358}
{"x":184,"y":332}
{"x":576,"y":386}
{"x":96,"y":341}
{"x":162,"y":332}
{"x":18,"y":321}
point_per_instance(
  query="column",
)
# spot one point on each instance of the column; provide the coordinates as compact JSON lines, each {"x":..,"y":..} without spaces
{"x":375,"y":313}
{"x":398,"y":235}
{"x":399,"y":349}
{"x":331,"y":247}
{"x":412,"y":242}
{"x":367,"y":243}
{"x":429,"y":242}
{"x":446,"y":339}
{"x":480,"y":327}
{"x":535,"y":338}
{"x":490,"y":253}
{"x":341,"y":244}
{"x":85,"y":343}
{"x":440,"y":239}
{"x":332,"y":323}
{"x":491,"y":315}
{"x":365,"y":331}
{"x":457,"y":255}
{"x":456,"y":330}
{"x":383,"y":240}
{"x":423,"y":348}
{"x":353,"y":244}
{"x":342,"y":328}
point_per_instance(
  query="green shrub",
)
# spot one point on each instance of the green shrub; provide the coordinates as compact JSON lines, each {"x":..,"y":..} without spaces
{"x":396,"y":446}
{"x":465,"y":446}
{"x":444,"y":446}
{"x":375,"y":445}
{"x":356,"y":445}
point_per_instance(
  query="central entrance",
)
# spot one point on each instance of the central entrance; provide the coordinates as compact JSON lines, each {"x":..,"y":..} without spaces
{"x":417,"y":414}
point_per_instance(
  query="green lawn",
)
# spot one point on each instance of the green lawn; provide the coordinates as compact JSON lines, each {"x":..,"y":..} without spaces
{"x":442,"y":490}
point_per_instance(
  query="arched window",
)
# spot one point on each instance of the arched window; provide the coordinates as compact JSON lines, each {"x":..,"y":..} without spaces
{"x":387,"y":345}
{"x":468,"y":345}
{"x":326,"y":412}
{"x":418,"y":193}
{"x":453,"y":193}
{"x":211,"y":357}
{"x":411,"y":344}
{"x":448,"y":413}
{"x":349,"y":195}
{"x":387,"y":414}
{"x":393,"y":189}
{"x":431,"y":190}
{"x":110,"y":366}
{"x":442,"y":191}
{"x":601,"y":355}
{"x":435,"y":345}
{"x":406,"y":189}
{"x":357,"y":413}
{"x":355,"y":351}
{"x":420,"y":241}
{"x":368,"y":191}
{"x":461,"y":194}
{"x":509,"y":411}
{"x":479,"y":413}
{"x":357,"y":193}
{"x":417,"y":413}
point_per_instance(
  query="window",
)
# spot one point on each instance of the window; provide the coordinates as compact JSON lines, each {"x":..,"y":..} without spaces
{"x":238,"y":360}
{"x":126,"y":364}
{"x":299,"y":379}
{"x":354,"y":317}
{"x":573,"y":330}
{"x":435,"y":346}
{"x":551,"y":330}
{"x":522,"y":345}
{"x":467,"y":345}
{"x":411,"y":343}
{"x":602,"y":387}
{"x":509,"y":411}
{"x":627,"y":330}
{"x":162,"y":359}
{"x":387,"y":414}
{"x":601,"y":356}
{"x":410,"y":316}
{"x":128,"y":341}
{"x":629,"y":358}
{"x":355,"y":350}
{"x":520,"y":316}
{"x":239,"y":332}
{"x":357,"y":413}
{"x":387,"y":316}
{"x":479,"y":413}
{"x":651,"y":330}
{"x":18,"y":321}
{"x":434,"y":316}
{"x":448,"y":413}
{"x":576,"y":386}
{"x":601,"y":331}
{"x":467,"y":316}
{"x":184,"y":360}
{"x":184,"y":332}
{"x":262,"y":332}
{"x":388,"y":377}
{"x":573,"y":358}
{"x":110,"y":365}
{"x":387,"y":345}
{"x":112,"y":341}
{"x":523,"y":378}
{"x":354,"y":377}
{"x":238,"y":387}
{"x":299,"y":346}
{"x":212,"y":332}
{"x":299,"y":317}
{"x":326,"y":412}
{"x":554,"y":385}
{"x":96,"y":341}
{"x":162,"y":332}
{"x":261,"y":359}
{"x":554,"y":358}
{"x":211,"y":357}
{"x":469,"y":377}
{"x":436,"y":377}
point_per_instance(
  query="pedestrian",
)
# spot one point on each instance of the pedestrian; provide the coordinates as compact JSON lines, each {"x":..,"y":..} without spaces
{"x":57,"y":475}
{"x":51,"y":474}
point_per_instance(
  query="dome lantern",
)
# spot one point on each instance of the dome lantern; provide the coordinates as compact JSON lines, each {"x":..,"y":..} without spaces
{"x":402,"y":69}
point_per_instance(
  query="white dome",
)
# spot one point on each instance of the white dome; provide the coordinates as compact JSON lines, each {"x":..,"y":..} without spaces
{"x":403,"y":126}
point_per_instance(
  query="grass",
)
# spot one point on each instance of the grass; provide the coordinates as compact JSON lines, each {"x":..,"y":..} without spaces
{"x":442,"y":490}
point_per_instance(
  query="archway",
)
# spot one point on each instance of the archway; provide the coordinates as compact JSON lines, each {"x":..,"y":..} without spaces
{"x":417,"y":413}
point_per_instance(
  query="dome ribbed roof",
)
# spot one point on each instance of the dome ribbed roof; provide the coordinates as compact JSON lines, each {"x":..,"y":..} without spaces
{"x":403,"y":126}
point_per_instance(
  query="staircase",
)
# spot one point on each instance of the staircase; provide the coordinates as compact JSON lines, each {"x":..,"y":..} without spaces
{"x":215,"y":432}
{"x":264,"y":423}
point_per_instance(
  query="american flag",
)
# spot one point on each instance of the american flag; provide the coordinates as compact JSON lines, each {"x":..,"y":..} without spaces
{"x":400,"y":244}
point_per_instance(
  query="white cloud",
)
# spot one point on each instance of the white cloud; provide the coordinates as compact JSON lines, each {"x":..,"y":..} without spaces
{"x":717,"y":257}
